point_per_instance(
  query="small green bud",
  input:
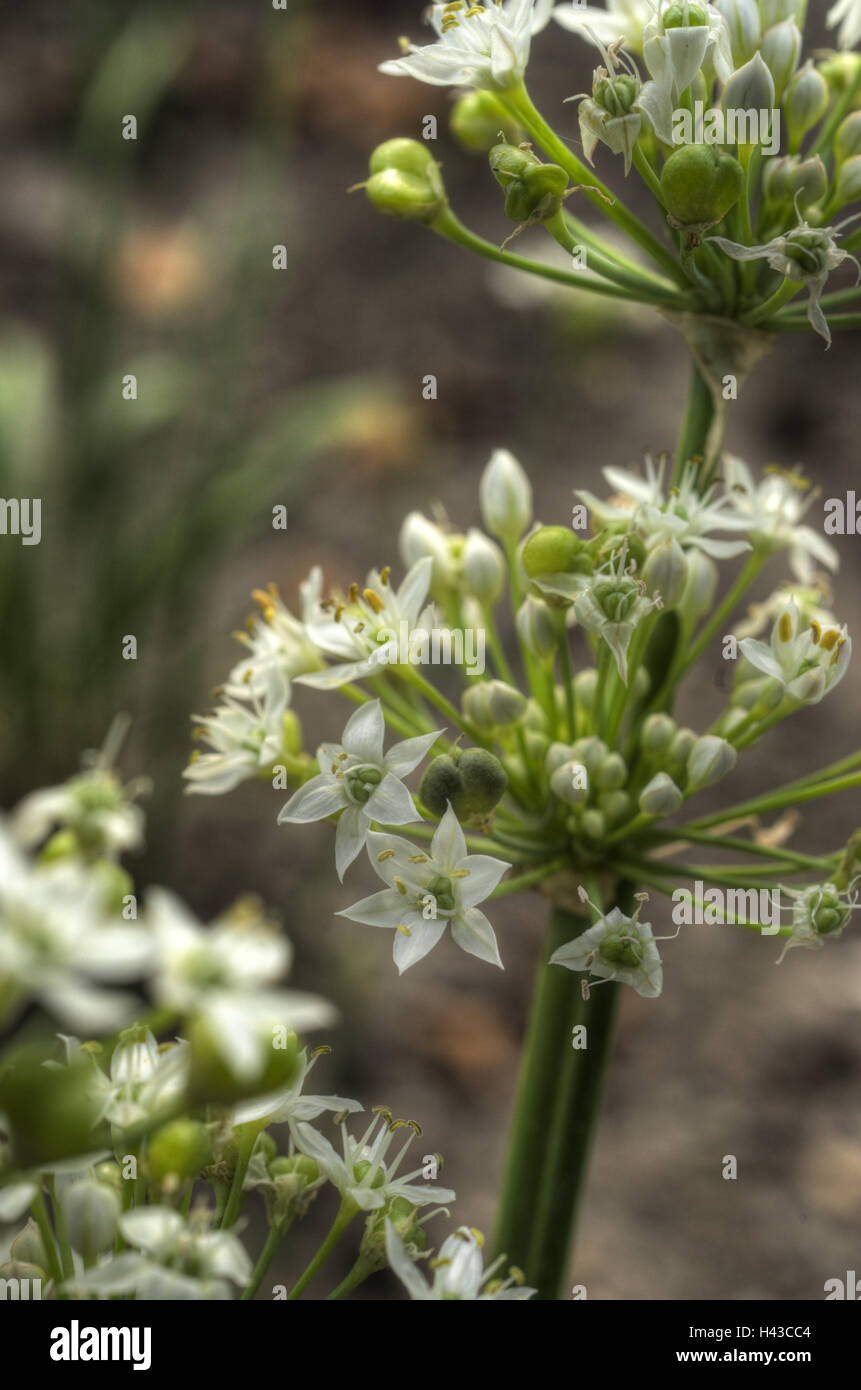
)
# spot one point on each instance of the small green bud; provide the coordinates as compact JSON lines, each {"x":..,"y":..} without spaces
{"x":535,"y":627}
{"x":840,"y":71}
{"x":440,"y":784}
{"x":179,"y":1150}
{"x":593,"y":824}
{"x":665,"y":572}
{"x":493,"y":704}
{"x":700,"y":588}
{"x":847,"y":187}
{"x":591,"y":752}
{"x":750,"y":89}
{"x":27,"y":1247}
{"x":804,"y":101}
{"x":477,"y":121}
{"x":412,"y":199}
{"x":585,"y":688}
{"x":710,"y":759}
{"x":616,"y":807}
{"x":109,"y":1173}
{"x":794,"y":180}
{"x":829,"y":913}
{"x":92,"y":1212}
{"x":679,"y":750}
{"x":407,"y":156}
{"x":612,"y":774}
{"x":483,"y":567}
{"x":536,"y":744}
{"x":555,"y":550}
{"x":700,"y":184}
{"x":847,"y":138}
{"x":657,"y":734}
{"x":781,"y":50}
{"x":742,"y":17}
{"x":505,"y":494}
{"x":556,"y":755}
{"x":567,"y":783}
{"x":535,"y":718}
{"x":660,"y":797}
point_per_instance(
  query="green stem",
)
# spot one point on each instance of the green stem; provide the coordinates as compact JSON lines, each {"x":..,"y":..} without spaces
{"x":549,"y":1035}
{"x":777,"y":856}
{"x":362,"y":1270}
{"x":346,"y":1212}
{"x":519,"y":103}
{"x":43,"y":1221}
{"x":564,"y":230}
{"x":267,"y":1254}
{"x":65,"y":1248}
{"x":776,"y":801}
{"x":697,"y":422}
{"x":248,"y":1138}
{"x":788,"y":290}
{"x":516,"y":885}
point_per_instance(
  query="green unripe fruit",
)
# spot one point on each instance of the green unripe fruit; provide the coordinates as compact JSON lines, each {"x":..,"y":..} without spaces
{"x":477,"y":120}
{"x":407,"y":156}
{"x":484,"y":781}
{"x":363,"y":1167}
{"x":700,"y":184}
{"x":617,"y":950}
{"x":440,"y":785}
{"x":537,"y":194}
{"x":396,"y":194}
{"x":64,"y":844}
{"x":211,"y":1078}
{"x":684,"y":17}
{"x":554,"y":550}
{"x":179,"y":1149}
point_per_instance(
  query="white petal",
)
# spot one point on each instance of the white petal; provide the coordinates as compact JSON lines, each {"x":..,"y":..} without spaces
{"x":391,"y":803}
{"x":364,"y":732}
{"x":422,"y":939}
{"x":349,"y":838}
{"x":484,"y":874}
{"x":315,"y":800}
{"x":405,"y":756}
{"x":448,"y":844}
{"x":473,"y":933}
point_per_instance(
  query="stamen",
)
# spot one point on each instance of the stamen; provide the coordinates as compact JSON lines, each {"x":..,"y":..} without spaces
{"x":404,"y":929}
{"x":385,"y":854}
{"x":414,"y":858}
{"x":372,"y":598}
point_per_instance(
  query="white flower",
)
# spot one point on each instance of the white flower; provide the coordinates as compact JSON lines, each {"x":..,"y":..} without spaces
{"x":177,"y":1260}
{"x":224,"y":974}
{"x":146,"y":1077}
{"x":675,"y":55}
{"x":616,"y":948}
{"x":773,"y":509}
{"x":807,"y":661}
{"x":361,"y":782}
{"x":57,"y":944}
{"x":429,"y":890}
{"x":819,"y":910}
{"x":682,"y":513}
{"x":505,"y":493}
{"x":804,"y":254}
{"x":621,"y":18}
{"x":809,"y":600}
{"x":477,"y":46}
{"x":247,"y":736}
{"x":365,"y":629}
{"x":279,"y":641}
{"x":360,"y":1172}
{"x":458,"y":1271}
{"x":288,"y":1105}
{"x":846,"y":13}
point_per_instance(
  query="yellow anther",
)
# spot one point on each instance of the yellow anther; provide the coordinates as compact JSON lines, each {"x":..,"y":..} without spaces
{"x":516,"y":1273}
{"x":460,"y":873}
{"x":338,"y":611}
{"x":385,"y":854}
{"x":342,"y":757}
{"x":816,"y":630}
{"x":417,"y":859}
{"x":194,"y":754}
{"x":322,"y":1051}
{"x":360,"y":627}
{"x":440,"y":1261}
{"x":404,"y":929}
{"x":829,"y":639}
{"x":384,"y":575}
{"x":381,"y":1110}
{"x":372,"y":598}
{"x":90,"y":1047}
{"x":415,"y":1127}
{"x":354,"y":593}
{"x":478,"y":1236}
{"x":474,"y":9}
{"x":404,"y":45}
{"x":401,"y":886}
{"x":784,"y":627}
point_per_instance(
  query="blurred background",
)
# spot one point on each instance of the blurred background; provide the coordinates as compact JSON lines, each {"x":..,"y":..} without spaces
{"x":304,"y":387}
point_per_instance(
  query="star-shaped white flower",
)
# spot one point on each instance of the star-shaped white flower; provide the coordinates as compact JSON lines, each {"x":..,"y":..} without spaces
{"x":361,"y":1173}
{"x":278,"y":640}
{"x":458,"y":1271}
{"x":146,"y":1077}
{"x":773,"y":509}
{"x":818,"y":910}
{"x":246,"y":736}
{"x":366,"y":629}
{"x":619,"y":948}
{"x":430,"y":890}
{"x":481,"y":45}
{"x":176,"y":1260}
{"x":846,"y":13}
{"x":224,"y":974}
{"x":680,"y":513}
{"x":57,"y":944}
{"x":804,"y":254}
{"x":807,"y":660}
{"x":361,"y":781}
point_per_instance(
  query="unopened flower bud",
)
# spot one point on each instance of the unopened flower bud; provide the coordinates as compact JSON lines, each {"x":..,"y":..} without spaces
{"x":776,"y":11}
{"x":742,"y":18}
{"x":710,"y":759}
{"x":751,"y":88}
{"x":593,"y":824}
{"x":419,"y":538}
{"x":793,"y":180}
{"x":700,"y":183}
{"x":27,"y":1247}
{"x":840,"y":71}
{"x":847,"y":186}
{"x":665,"y":572}
{"x":847,"y":138}
{"x":570,"y":783}
{"x":616,"y":806}
{"x":660,"y":797}
{"x":535,"y":627}
{"x":591,"y":752}
{"x":555,"y":550}
{"x":700,"y":588}
{"x":679,"y":750}
{"x":781,"y":50}
{"x":585,"y":687}
{"x":483,"y":567}
{"x":612,"y":773}
{"x":533,"y":191}
{"x":536,"y":744}
{"x":657,"y":734}
{"x":804,"y":102}
{"x":477,"y":121}
{"x":556,"y":755}
{"x":505,"y":494}
{"x":92,"y":1212}
{"x":493,"y":704}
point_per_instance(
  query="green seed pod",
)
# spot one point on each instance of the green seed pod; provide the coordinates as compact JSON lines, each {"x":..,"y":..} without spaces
{"x":700,"y":184}
{"x":555,"y":550}
{"x":684,"y":16}
{"x":537,"y":195}
{"x":477,"y":121}
{"x":440,"y":784}
{"x":484,"y":782}
{"x":179,"y":1150}
{"x":212,"y":1080}
{"x":395,"y":194}
{"x":407,"y":156}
